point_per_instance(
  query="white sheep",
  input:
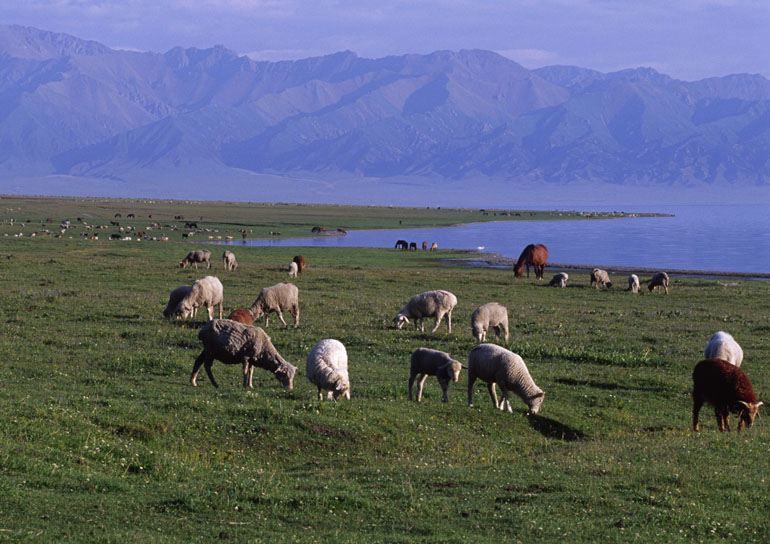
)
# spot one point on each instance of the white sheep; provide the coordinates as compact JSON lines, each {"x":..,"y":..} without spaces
{"x":429,"y":304}
{"x":208,"y":292}
{"x":599,"y":276}
{"x":559,"y":280}
{"x":430,"y":362}
{"x":497,"y":365}
{"x":293,"y":269}
{"x":327,"y":369}
{"x":659,"y":279}
{"x":175,"y":298}
{"x":235,"y":343}
{"x":723,"y":346}
{"x":277,"y":298}
{"x":633,"y":283}
{"x":228,"y":261}
{"x":490,"y":315}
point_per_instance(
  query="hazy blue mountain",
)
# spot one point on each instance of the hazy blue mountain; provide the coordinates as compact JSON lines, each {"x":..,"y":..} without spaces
{"x":72,"y":107}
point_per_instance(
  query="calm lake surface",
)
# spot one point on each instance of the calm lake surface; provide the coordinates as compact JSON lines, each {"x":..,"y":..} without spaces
{"x":712,"y":238}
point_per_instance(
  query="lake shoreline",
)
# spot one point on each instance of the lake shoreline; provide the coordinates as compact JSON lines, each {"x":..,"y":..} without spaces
{"x":495,"y":260}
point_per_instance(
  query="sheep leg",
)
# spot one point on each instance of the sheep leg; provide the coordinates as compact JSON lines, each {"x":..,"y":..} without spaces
{"x":420,"y":384}
{"x":220,"y":310}
{"x":295,"y":313}
{"x":280,"y":316}
{"x":505,"y":404}
{"x":411,"y":383}
{"x":210,"y":311}
{"x":438,"y":321}
{"x":444,"y":383}
{"x":449,"y":321}
{"x":697,"y":402}
{"x":493,"y":394}
{"x":248,"y":370}
{"x":320,"y":393}
{"x":471,"y":381}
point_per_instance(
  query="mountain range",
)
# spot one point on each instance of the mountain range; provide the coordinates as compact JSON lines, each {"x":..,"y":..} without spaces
{"x":76,"y":113}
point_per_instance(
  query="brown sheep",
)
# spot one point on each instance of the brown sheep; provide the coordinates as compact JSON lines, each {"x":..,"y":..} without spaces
{"x":300,"y":260}
{"x":727,"y":388}
{"x":242,"y":316}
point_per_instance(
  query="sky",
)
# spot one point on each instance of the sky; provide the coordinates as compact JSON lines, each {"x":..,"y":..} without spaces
{"x":686,"y":39}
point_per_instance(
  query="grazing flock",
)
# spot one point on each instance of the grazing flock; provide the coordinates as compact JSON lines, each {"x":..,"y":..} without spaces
{"x":717,"y":379}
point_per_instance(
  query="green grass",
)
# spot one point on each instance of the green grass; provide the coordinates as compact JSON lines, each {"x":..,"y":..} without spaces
{"x":103,"y":439}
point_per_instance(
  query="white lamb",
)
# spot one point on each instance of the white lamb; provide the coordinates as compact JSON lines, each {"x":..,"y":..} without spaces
{"x":327,"y":369}
{"x":633,"y":283}
{"x":429,"y":304}
{"x":175,"y":298}
{"x":228,"y":261}
{"x":206,"y":292}
{"x":490,"y":315}
{"x":277,"y":298}
{"x":293,"y":269}
{"x":723,"y":346}
{"x":235,"y":343}
{"x":497,"y":365}
{"x":559,"y":280}
{"x":430,"y":362}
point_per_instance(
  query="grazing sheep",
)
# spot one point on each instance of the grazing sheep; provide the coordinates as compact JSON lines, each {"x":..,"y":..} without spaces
{"x":497,"y":365}
{"x":175,"y":298}
{"x":300,"y":260}
{"x":429,"y":304}
{"x":659,"y":279}
{"x":235,"y":343}
{"x":206,"y":292}
{"x":633,"y":283}
{"x":195,"y":257}
{"x":599,"y":276}
{"x":723,"y":346}
{"x":490,"y":315}
{"x":293,"y":269}
{"x":727,"y":388}
{"x":327,"y":369}
{"x":228,"y":261}
{"x":559,"y":280}
{"x":278,"y":298}
{"x":430,"y":362}
{"x":241,"y":316}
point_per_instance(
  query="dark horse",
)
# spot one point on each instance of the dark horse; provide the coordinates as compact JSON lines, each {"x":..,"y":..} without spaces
{"x":535,"y":255}
{"x":401,"y":244}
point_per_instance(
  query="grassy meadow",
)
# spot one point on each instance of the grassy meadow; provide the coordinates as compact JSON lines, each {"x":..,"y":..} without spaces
{"x":102,"y":438}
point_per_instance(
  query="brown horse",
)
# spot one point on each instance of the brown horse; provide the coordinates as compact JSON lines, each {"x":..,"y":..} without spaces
{"x":535,"y":255}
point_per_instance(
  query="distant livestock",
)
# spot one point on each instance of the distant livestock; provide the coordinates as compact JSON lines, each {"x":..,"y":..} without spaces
{"x":434,"y":246}
{"x":534,"y":255}
{"x":300,"y":260}
{"x":197,"y":256}
{"x":727,"y":388}
{"x":401,"y":244}
{"x":600,"y":277}
{"x":633,"y":283}
{"x":293,"y":269}
{"x":659,"y":279}
{"x":424,"y":245}
{"x":559,"y":280}
{"x":723,"y":346}
{"x":412,"y":246}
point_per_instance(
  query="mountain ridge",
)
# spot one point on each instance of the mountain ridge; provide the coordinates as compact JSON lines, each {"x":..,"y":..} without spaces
{"x":71,"y":107}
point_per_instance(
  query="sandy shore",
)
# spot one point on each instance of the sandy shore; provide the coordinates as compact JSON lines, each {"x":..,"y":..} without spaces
{"x":493,"y":259}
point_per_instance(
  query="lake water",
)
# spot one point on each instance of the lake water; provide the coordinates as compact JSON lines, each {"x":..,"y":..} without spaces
{"x":699,"y":237}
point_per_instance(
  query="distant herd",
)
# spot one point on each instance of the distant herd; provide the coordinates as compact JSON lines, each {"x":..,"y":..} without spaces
{"x":717,"y":379}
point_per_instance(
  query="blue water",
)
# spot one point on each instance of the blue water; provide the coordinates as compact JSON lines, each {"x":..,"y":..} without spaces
{"x":698,"y":237}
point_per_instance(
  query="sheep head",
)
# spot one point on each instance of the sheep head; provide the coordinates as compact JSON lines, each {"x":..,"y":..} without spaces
{"x":285,"y":375}
{"x":340,"y":390}
{"x":535,"y":402}
{"x":184,"y":309}
{"x":747,"y":411}
{"x":451,"y":370}
{"x":399,"y":320}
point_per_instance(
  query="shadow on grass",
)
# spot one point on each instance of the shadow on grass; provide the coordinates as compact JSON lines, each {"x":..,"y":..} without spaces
{"x":551,"y":428}
{"x":609,"y":386}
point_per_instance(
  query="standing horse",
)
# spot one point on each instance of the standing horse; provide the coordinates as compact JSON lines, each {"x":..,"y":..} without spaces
{"x":535,"y":255}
